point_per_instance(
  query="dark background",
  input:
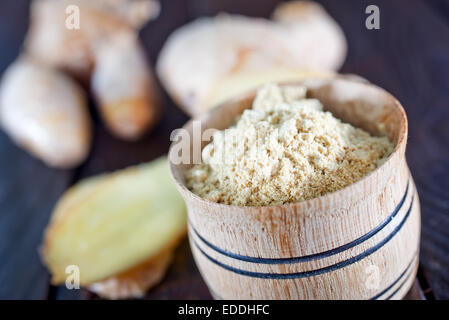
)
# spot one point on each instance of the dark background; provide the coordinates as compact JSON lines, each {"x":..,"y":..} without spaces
{"x":408,"y":56}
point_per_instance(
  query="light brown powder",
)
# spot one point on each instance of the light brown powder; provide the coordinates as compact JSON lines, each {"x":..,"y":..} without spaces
{"x":285,"y":149}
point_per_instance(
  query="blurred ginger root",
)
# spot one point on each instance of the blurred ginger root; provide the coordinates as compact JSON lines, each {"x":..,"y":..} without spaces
{"x":212,"y":59}
{"x":45,"y":112}
{"x":123,"y":88}
{"x":105,"y":50}
{"x":120,"y":229}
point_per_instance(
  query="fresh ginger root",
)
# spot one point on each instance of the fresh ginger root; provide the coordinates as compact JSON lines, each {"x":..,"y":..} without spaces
{"x":106,"y":50}
{"x":45,"y":111}
{"x":120,"y":229}
{"x":124,"y":89}
{"x":50,"y":41}
{"x":212,"y":59}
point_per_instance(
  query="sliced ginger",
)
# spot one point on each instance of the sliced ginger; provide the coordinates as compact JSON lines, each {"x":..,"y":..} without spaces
{"x":116,"y":223}
{"x":135,"y":282}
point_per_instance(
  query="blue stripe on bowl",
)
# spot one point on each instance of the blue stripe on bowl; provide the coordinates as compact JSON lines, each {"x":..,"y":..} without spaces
{"x":311,"y":273}
{"x":399,"y":288}
{"x":315,"y":256}
{"x":406,"y":271}
{"x":396,"y":281}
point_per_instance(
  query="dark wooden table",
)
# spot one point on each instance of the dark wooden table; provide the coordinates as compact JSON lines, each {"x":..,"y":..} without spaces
{"x":408,"y":56}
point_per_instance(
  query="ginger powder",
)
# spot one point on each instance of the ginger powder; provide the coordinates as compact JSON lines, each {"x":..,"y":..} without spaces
{"x":285,"y":149}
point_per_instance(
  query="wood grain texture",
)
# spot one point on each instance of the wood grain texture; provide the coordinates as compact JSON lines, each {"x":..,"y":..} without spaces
{"x":408,"y":57}
{"x":28,"y":189}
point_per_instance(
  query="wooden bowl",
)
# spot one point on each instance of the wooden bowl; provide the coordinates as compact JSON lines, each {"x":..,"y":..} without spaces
{"x":361,"y":242}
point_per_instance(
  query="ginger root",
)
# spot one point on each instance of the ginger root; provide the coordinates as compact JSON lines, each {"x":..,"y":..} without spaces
{"x":124,"y":88}
{"x":212,"y":59}
{"x":105,"y":50}
{"x":120,"y":230}
{"x":45,"y":112}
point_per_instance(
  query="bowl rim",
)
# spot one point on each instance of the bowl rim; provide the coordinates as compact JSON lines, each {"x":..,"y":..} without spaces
{"x":398,"y":150}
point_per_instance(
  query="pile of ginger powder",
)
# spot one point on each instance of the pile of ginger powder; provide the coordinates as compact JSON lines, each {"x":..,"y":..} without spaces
{"x":285,"y":149}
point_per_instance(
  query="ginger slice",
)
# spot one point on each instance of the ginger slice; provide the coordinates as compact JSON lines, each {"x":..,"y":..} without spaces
{"x":134,"y":283}
{"x":110,"y":224}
